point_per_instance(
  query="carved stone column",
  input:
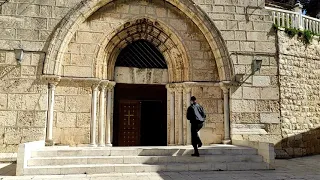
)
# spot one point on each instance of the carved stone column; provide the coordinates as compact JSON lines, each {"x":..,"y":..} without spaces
{"x":102,"y":110}
{"x":110,"y":88}
{"x":52,"y":83}
{"x":171,"y":94}
{"x":187,"y":94}
{"x":93,"y":122}
{"x":179,"y":113}
{"x":225,"y":88}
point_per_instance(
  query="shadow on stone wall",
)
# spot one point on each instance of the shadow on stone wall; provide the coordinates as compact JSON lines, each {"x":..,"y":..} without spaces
{"x":304,"y":144}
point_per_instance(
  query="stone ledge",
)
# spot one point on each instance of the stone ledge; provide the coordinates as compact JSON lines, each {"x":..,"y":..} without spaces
{"x":8,"y":157}
{"x":24,"y":153}
{"x":266,"y":150}
{"x":248,"y":129}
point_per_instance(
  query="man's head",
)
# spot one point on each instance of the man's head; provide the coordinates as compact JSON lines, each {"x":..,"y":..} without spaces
{"x":193,"y":100}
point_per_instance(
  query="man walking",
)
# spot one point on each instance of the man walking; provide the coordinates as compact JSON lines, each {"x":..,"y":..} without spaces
{"x":196,"y":116}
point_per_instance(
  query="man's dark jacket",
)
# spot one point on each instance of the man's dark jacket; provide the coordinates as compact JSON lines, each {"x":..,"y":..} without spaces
{"x":196,"y":114}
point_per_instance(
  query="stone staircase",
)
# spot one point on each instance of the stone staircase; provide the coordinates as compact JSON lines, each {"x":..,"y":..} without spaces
{"x":90,"y":160}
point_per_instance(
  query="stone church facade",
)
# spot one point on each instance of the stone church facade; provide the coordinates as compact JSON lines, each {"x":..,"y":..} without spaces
{"x":67,"y":88}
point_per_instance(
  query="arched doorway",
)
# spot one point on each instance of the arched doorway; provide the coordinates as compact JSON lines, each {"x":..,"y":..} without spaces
{"x":140,"y":107}
{"x":194,"y":51}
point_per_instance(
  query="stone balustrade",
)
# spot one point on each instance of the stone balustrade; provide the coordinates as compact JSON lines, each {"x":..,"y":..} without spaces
{"x":294,"y":19}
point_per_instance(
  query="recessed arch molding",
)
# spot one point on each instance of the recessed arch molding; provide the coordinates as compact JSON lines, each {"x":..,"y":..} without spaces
{"x":77,"y":15}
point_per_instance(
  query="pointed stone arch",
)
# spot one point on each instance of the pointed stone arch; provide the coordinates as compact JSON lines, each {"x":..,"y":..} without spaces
{"x":77,"y":15}
{"x":150,"y":30}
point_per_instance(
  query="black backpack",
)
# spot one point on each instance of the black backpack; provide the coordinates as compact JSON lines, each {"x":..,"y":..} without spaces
{"x":199,"y":113}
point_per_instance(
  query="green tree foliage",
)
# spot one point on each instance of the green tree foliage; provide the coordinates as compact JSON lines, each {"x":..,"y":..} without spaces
{"x":312,"y":7}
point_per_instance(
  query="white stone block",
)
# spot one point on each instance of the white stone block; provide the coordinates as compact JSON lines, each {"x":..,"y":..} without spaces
{"x":251,"y":93}
{"x":124,"y":169}
{"x":73,"y":170}
{"x":177,"y":167}
{"x":124,"y":153}
{"x":65,"y":153}
{"x":270,"y":117}
{"x":270,"y":93}
{"x":200,"y":167}
{"x":261,"y":81}
{"x":100,"y":169}
{"x":238,"y":166}
{"x":243,"y":105}
{"x":42,"y":171}
{"x":219,"y":166}
{"x":97,"y":152}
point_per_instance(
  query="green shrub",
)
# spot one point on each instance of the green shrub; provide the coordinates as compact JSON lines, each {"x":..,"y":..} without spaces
{"x":291,"y":32}
{"x":307,"y":36}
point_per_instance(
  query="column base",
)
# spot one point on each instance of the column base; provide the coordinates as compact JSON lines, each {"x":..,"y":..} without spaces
{"x":108,"y":145}
{"x":171,"y":145}
{"x":226,"y":141}
{"x":49,"y":142}
{"x":101,"y":145}
{"x":92,"y":145}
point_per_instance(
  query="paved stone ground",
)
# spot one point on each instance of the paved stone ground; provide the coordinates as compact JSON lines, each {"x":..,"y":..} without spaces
{"x":306,"y":168}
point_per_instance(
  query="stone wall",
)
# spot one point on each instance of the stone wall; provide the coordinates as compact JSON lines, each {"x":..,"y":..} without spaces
{"x":130,"y":75}
{"x":244,"y":25}
{"x":211,"y":98}
{"x":299,"y":91}
{"x":23,"y":100}
{"x":23,"y":97}
{"x":81,"y":55}
{"x":247,"y":30}
{"x":72,"y":113}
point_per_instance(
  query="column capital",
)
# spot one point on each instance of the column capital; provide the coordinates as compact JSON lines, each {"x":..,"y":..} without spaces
{"x":103,"y":84}
{"x":95,"y":84}
{"x":225,"y":86}
{"x":171,"y":88}
{"x":188,"y":86}
{"x":51,"y":79}
{"x":111,"y":85}
{"x":179,"y":89}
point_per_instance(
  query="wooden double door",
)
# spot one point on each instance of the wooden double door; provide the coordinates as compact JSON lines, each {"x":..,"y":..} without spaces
{"x":140,"y":116}
{"x":129,"y":123}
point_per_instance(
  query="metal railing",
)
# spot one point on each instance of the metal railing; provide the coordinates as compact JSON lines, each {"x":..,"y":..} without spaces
{"x":296,"y":20}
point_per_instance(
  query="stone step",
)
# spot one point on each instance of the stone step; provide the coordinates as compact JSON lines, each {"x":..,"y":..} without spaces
{"x":49,"y":161}
{"x":140,"y":168}
{"x":75,"y":152}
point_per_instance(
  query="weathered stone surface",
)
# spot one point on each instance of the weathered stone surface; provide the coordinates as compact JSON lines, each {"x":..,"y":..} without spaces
{"x":33,"y":134}
{"x":77,"y":71}
{"x":245,"y":36}
{"x":141,"y":76}
{"x":27,"y":102}
{"x":13,"y":135}
{"x":25,"y":118}
{"x":243,"y":118}
{"x":66,"y":119}
{"x":78,"y":103}
{"x":261,"y":81}
{"x":251,"y":93}
{"x":270,"y":93}
{"x":243,"y":106}
{"x":83,"y":119}
{"x":270,"y":117}
{"x":40,"y":119}
{"x":73,"y":136}
{"x":299,"y":92}
{"x":248,"y":129}
{"x":8,"y":118}
{"x":60,"y":102}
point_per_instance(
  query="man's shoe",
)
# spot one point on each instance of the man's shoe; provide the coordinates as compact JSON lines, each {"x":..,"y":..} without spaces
{"x":195,"y":155}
